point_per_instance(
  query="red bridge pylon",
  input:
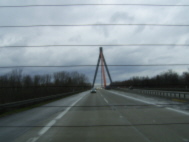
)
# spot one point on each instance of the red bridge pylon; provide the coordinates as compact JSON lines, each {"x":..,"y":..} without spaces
{"x":103,"y":64}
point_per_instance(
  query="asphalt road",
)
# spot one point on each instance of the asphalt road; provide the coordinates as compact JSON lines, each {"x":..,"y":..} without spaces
{"x":105,"y":116}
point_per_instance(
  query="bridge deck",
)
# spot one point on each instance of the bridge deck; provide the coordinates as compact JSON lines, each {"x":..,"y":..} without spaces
{"x":103,"y":116}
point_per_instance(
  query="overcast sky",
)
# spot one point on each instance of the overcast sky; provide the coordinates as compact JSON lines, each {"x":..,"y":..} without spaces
{"x":95,"y":35}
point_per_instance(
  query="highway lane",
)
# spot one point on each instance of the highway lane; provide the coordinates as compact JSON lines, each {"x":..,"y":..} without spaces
{"x":32,"y":117}
{"x":105,"y":116}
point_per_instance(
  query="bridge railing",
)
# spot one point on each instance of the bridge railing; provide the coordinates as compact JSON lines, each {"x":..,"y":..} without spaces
{"x":171,"y":94}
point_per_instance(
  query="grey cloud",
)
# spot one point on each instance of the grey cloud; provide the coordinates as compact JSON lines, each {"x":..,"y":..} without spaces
{"x":121,"y":16}
{"x":102,"y":30}
{"x":94,"y":35}
{"x":76,"y":38}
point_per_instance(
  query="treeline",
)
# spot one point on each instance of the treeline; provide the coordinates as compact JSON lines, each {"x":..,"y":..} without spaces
{"x":16,"y":86}
{"x":169,"y":79}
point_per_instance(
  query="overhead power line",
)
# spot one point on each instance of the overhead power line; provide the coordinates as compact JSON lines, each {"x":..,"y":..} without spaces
{"x":68,"y":66}
{"x":102,"y":125}
{"x":45,"y":86}
{"x":114,"y":84}
{"x":71,"y":5}
{"x":60,"y":45}
{"x":158,"y":105}
{"x":86,"y":25}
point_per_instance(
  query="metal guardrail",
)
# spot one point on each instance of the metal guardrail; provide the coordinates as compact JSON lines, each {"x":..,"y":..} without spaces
{"x":171,"y":94}
{"x":6,"y":106}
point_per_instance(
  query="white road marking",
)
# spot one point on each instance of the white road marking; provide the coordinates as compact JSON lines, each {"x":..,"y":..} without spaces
{"x":179,"y":111}
{"x":121,"y":116}
{"x":128,"y":120}
{"x":47,"y":127}
{"x":106,"y":100}
{"x":52,"y":122}
{"x":33,"y":139}
{"x":186,"y":140}
{"x":131,"y":98}
{"x":100,"y":94}
{"x":172,"y":109}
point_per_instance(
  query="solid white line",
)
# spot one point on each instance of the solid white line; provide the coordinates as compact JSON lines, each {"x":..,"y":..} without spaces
{"x":47,"y":127}
{"x":179,"y":111}
{"x":52,"y":122}
{"x":33,"y":139}
{"x":106,"y":100}
{"x":172,"y":109}
{"x":131,"y":98}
